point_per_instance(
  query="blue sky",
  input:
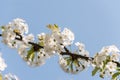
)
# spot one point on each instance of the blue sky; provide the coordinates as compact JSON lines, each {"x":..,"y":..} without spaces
{"x":96,"y":23}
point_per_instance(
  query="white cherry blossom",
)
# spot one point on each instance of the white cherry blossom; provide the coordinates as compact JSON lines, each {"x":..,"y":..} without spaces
{"x":3,"y":65}
{"x":8,"y":38}
{"x":98,"y":59}
{"x":50,"y":45}
{"x":115,"y":57}
{"x":10,"y":77}
{"x":80,"y":46}
{"x":28,"y":38}
{"x":63,"y":64}
{"x":20,"y":25}
{"x":13,"y":30}
{"x":111,"y":67}
{"x":110,"y":49}
{"x":39,"y":59}
{"x":22,"y":50}
{"x":68,"y":37}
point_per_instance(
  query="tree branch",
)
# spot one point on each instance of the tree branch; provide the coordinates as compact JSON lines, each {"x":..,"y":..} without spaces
{"x":76,"y":56}
{"x":67,"y":52}
{"x":35,"y":45}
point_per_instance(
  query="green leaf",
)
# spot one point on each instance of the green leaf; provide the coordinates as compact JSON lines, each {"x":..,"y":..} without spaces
{"x":56,"y":26}
{"x":95,"y":70}
{"x":0,"y":76}
{"x":105,"y":62}
{"x":53,"y":27}
{"x":114,"y":76}
{"x":75,"y":62}
{"x":41,"y":43}
{"x":2,"y":28}
{"x":31,"y":54}
{"x":101,"y":75}
{"x":118,"y":69}
{"x":71,"y":66}
{"x":68,"y":61}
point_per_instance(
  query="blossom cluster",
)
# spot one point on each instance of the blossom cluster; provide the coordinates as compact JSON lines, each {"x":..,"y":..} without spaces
{"x":73,"y":64}
{"x":3,"y":66}
{"x":10,"y":76}
{"x":105,"y":61}
{"x":57,"y":42}
{"x":14,"y":36}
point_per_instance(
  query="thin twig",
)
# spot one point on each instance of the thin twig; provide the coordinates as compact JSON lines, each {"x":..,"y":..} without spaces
{"x":76,"y":56}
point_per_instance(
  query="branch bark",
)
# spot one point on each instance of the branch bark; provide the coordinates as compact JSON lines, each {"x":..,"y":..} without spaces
{"x":67,"y":52}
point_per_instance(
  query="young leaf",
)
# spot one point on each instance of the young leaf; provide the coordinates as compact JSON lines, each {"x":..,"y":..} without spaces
{"x":68,"y":61}
{"x":118,"y":69}
{"x":0,"y":77}
{"x":53,"y":27}
{"x":2,"y":28}
{"x":41,"y":43}
{"x":101,"y":75}
{"x":71,"y":66}
{"x":56,"y":26}
{"x":95,"y":70}
{"x":114,"y":76}
{"x":30,"y":54}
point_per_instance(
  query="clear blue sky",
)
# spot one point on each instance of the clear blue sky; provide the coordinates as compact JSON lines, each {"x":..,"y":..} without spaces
{"x":94,"y":22}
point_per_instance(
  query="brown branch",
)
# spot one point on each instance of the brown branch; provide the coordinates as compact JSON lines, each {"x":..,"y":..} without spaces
{"x":20,"y":37}
{"x":76,"y":56}
{"x":35,"y":45}
{"x":66,"y":49}
{"x":67,"y":52}
{"x":118,"y":64}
